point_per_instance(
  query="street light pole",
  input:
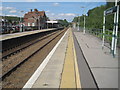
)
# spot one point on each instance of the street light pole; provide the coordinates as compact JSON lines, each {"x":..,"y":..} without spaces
{"x":21,"y":26}
{"x":84,"y":25}
{"x":38,"y":18}
{"x":78,"y":23}
{"x":84,"y":20}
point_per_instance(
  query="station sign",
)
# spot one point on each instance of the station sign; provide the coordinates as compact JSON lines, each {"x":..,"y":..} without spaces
{"x":111,"y":10}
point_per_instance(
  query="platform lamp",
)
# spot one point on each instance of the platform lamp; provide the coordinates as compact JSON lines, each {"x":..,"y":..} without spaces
{"x":21,"y":26}
{"x":78,"y":23}
{"x":84,"y":19}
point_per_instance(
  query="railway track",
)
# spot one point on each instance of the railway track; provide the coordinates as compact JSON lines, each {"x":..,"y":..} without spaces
{"x":13,"y":62}
{"x":6,"y":53}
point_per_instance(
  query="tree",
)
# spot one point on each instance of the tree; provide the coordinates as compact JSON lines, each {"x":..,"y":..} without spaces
{"x":63,"y":23}
{"x":95,"y":17}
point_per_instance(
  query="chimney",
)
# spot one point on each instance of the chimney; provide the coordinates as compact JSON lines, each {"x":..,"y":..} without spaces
{"x":35,"y":10}
{"x":30,"y":10}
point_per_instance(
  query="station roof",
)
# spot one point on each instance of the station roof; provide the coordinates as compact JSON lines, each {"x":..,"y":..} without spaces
{"x":52,"y":21}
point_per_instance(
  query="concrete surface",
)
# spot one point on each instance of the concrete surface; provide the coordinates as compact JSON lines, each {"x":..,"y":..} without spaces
{"x":51,"y":75}
{"x":103,"y":66}
{"x":86,"y":77}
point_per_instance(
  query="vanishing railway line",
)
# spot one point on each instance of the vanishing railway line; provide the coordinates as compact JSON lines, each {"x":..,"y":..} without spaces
{"x":22,"y":54}
{"x":32,"y":48}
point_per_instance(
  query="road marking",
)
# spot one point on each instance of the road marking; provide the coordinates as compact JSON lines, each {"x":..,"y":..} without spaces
{"x":37,"y":73}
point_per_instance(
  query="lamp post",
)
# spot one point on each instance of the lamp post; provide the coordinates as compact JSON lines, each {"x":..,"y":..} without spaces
{"x":84,"y":20}
{"x":78,"y":22}
{"x":21,"y":26}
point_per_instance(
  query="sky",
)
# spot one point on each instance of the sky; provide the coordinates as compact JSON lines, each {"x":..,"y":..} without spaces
{"x":54,"y":10}
{"x":56,"y":0}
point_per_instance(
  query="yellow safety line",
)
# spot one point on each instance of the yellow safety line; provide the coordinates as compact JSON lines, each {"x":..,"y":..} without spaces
{"x":70,"y":76}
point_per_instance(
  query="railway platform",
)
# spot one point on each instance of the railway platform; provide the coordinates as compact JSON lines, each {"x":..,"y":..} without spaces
{"x":20,"y":34}
{"x":101,"y":62}
{"x":77,"y":61}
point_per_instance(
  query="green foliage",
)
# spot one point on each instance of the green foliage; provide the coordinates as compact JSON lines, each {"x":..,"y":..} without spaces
{"x":63,"y":23}
{"x":95,"y":17}
{"x":12,"y":19}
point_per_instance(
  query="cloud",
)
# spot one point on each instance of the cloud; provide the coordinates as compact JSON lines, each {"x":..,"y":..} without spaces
{"x":67,"y":14}
{"x":8,"y":8}
{"x":47,"y":11}
{"x":56,"y":4}
{"x":0,"y":8}
{"x":54,"y":16}
{"x":12,"y":11}
{"x":12,"y":15}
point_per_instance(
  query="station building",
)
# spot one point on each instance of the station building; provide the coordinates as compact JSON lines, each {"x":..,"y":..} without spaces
{"x":35,"y":18}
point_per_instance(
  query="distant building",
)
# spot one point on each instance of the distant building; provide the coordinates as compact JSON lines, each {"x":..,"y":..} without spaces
{"x":35,"y":18}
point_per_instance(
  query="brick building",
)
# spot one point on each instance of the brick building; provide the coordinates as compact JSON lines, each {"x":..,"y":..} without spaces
{"x":35,"y":18}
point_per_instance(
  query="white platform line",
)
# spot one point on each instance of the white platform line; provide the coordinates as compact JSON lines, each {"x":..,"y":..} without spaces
{"x":37,"y":73}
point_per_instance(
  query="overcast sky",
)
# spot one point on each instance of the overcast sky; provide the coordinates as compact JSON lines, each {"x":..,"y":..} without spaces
{"x":54,"y":10}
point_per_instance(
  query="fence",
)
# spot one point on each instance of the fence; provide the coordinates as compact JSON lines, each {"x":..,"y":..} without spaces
{"x":99,"y":33}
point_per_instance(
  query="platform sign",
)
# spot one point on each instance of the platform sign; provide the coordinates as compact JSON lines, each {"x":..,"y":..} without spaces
{"x":111,"y":10}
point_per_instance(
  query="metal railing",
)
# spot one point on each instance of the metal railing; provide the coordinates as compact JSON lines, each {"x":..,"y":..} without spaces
{"x":99,"y":33}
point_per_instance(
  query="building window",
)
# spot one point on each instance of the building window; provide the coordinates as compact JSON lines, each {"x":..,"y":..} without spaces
{"x":33,"y":24}
{"x":28,"y":24}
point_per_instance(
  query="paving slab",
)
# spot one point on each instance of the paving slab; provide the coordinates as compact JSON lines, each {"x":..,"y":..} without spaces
{"x":102,"y":64}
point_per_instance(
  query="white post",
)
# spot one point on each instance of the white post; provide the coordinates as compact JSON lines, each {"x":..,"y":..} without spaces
{"x":78,"y":27}
{"x":21,"y":21}
{"x":103,"y":40}
{"x":78,"y":24}
{"x":116,"y":31}
{"x":84,"y":25}
{"x":20,"y":24}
